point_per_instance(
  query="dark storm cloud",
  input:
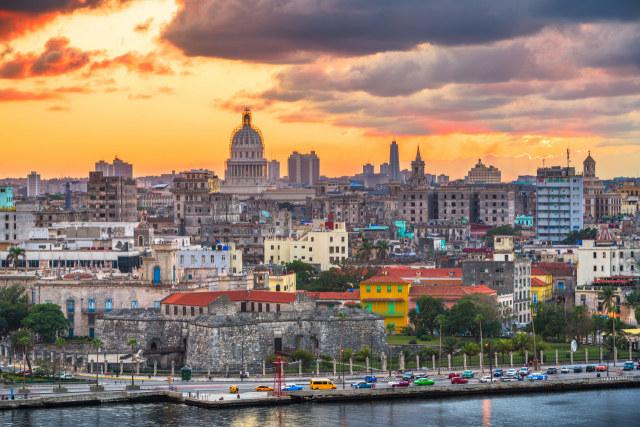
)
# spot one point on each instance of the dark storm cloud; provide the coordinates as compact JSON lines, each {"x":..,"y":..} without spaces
{"x":297,"y":31}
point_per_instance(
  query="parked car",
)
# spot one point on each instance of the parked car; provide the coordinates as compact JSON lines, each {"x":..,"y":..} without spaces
{"x":264,"y":388}
{"x":453,"y":375}
{"x":537,"y":377}
{"x":291,"y":387}
{"x":370,"y":379}
{"x":591,"y":368}
{"x":628,"y":366}
{"x":424,"y":381}
{"x":512,"y":372}
{"x":467,"y":374}
{"x":601,"y":368}
{"x":524,"y":371}
{"x":420,"y":375}
{"x":362,"y":384}
{"x":577,"y":369}
{"x":564,"y":370}
{"x":459,"y":380}
{"x":509,"y":378}
{"x":498,"y":373}
{"x":407,"y":376}
{"x":487,"y":379}
{"x":399,"y":383}
{"x":551,"y":371}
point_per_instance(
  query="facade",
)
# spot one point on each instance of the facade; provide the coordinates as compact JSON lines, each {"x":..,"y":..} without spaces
{"x":274,"y":171}
{"x":443,"y":179}
{"x":112,"y":199}
{"x":483,"y":174}
{"x":541,"y":292}
{"x":284,"y":282}
{"x":495,"y":205}
{"x":603,"y":257}
{"x":6,"y":198}
{"x":33,"y":185}
{"x":117,"y":168}
{"x":226,"y":259}
{"x":559,"y":195}
{"x":598,"y":203}
{"x":394,"y":162}
{"x":320,"y":248}
{"x":303,"y":168}
{"x":330,"y":300}
{"x":368,"y":169}
{"x":388,"y":297}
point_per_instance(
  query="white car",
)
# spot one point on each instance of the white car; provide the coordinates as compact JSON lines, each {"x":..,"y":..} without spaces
{"x":512,"y":372}
{"x":513,"y":377}
{"x":565,"y":370}
{"x":487,"y":379}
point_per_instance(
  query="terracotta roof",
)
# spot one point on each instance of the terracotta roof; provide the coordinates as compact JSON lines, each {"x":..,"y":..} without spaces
{"x":535,"y":271}
{"x":406,"y":272}
{"x":555,"y":268}
{"x":203,"y":299}
{"x":382,"y":299}
{"x":448,"y":291}
{"x":350,"y":303}
{"x":537,"y":282}
{"x":269,"y":296}
{"x":335,"y":295}
{"x":385,"y":279}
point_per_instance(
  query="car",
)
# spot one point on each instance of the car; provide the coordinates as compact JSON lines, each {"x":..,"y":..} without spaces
{"x":467,"y":374}
{"x":591,"y":368}
{"x":291,"y":387}
{"x":264,"y":388}
{"x":459,"y":380}
{"x":63,"y":375}
{"x":418,"y":376}
{"x":537,"y":377}
{"x":509,"y":378}
{"x":498,"y":373}
{"x":453,"y":375}
{"x":362,"y":384}
{"x":407,"y":376}
{"x":577,"y":369}
{"x":524,"y":371}
{"x":564,"y":370}
{"x":370,"y":379}
{"x":551,"y":371}
{"x":628,"y":366}
{"x":602,"y":368}
{"x":512,"y":372}
{"x":424,"y":381}
{"x":487,"y":379}
{"x":23,"y":371}
{"x":399,"y":383}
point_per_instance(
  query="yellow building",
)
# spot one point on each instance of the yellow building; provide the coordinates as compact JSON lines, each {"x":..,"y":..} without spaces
{"x":388,"y":297}
{"x":283,"y":282}
{"x":540,"y":292}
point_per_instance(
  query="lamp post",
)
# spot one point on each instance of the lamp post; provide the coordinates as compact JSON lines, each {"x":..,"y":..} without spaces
{"x":242,"y":366}
{"x":342,"y":366}
{"x":490,"y":364}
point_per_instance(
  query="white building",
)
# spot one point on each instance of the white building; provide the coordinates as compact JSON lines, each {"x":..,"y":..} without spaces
{"x":604,"y":258}
{"x":33,"y":185}
{"x":227,"y":259}
{"x":559,"y":203}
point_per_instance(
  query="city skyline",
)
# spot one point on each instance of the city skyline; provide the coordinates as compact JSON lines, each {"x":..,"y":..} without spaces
{"x":76,"y":77}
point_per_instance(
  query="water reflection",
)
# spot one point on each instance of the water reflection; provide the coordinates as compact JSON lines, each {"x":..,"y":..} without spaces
{"x":589,"y":408}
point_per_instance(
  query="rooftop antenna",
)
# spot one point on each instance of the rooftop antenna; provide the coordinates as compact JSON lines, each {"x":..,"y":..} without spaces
{"x":543,"y":162}
{"x":568,"y":161}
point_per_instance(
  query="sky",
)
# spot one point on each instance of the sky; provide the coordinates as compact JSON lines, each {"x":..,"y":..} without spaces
{"x":161,"y":83}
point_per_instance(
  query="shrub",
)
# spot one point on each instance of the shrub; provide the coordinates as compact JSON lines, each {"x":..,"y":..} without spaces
{"x":421,"y":331}
{"x":305,"y":356}
{"x":425,"y":338}
{"x":413,"y":342}
{"x":273,"y":357}
{"x":406,"y":330}
{"x":325,"y":357}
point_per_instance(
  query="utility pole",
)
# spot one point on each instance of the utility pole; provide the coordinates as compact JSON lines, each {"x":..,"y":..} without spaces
{"x":242,"y":367}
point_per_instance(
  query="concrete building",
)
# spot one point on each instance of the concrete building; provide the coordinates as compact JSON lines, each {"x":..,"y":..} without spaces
{"x":6,"y":198}
{"x":112,"y":199}
{"x":368,"y":169}
{"x":117,"y":168}
{"x":394,"y":162}
{"x":387,"y":296}
{"x":303,"y":168}
{"x":495,"y":205}
{"x":483,"y":174}
{"x":443,"y":179}
{"x":598,"y":203}
{"x":326,"y":244}
{"x":559,"y":195}
{"x":605,"y":257}
{"x":33,"y":185}
{"x":227,"y":258}
{"x":384,"y":169}
{"x":274,"y":171}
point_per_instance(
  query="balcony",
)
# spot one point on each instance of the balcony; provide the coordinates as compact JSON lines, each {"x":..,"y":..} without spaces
{"x":389,"y":314}
{"x":96,"y":310}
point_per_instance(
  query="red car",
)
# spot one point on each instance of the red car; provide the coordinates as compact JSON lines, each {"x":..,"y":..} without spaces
{"x":24,"y":371}
{"x":453,"y":375}
{"x":400,"y":383}
{"x":458,"y":380}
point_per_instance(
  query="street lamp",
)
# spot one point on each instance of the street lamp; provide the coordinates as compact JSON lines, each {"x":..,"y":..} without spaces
{"x":490,"y":365}
{"x":341,"y":365}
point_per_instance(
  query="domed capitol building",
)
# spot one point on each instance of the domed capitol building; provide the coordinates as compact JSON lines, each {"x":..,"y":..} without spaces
{"x":246,"y":168}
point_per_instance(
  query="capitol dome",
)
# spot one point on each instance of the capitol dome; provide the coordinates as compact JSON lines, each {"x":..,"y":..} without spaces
{"x":246,"y":164}
{"x":247,"y":136}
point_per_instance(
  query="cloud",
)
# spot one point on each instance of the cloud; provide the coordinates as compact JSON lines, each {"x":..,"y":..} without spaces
{"x":58,"y":108}
{"x":143,"y":64}
{"x":57,"y":58}
{"x":165,"y":90}
{"x":285,"y":31}
{"x":10,"y":94}
{"x":139,"y":96}
{"x":143,"y":26}
{"x":18,"y":17}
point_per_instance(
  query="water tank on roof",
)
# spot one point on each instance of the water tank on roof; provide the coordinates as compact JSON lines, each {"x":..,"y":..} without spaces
{"x":225,"y":248}
{"x":219,"y":247}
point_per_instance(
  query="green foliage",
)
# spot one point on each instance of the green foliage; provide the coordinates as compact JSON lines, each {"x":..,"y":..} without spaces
{"x":286,"y":205}
{"x":584,"y":234}
{"x":46,"y":367}
{"x":13,"y":306}
{"x":470,"y":349}
{"x":522,"y":343}
{"x":607,"y":295}
{"x":503,"y":230}
{"x":303,"y":355}
{"x":407,"y":354}
{"x":450,"y":345}
{"x":382,"y":250}
{"x":426,"y":353}
{"x":304,"y":272}
{"x":363,"y":353}
{"x":429,"y":308}
{"x":637,"y":312}
{"x":347,"y":354}
{"x":549,"y":321}
{"x":14,"y":255}
{"x":391,"y":328}
{"x":46,"y":320}
{"x":406,"y":330}
{"x":366,"y":251}
{"x":14,"y":294}
{"x":413,"y":342}
{"x":325,"y":357}
{"x":424,"y":338}
{"x":633,"y":299}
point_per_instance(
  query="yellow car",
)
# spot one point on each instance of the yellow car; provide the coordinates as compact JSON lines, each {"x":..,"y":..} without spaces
{"x":264,"y":388}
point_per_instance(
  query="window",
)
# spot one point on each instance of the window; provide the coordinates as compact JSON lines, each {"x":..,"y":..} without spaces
{"x":108,"y":305}
{"x":156,"y":304}
{"x":184,"y":311}
{"x":368,"y":288}
{"x":193,"y":311}
{"x":33,"y":297}
{"x":71,"y":318}
{"x":166,"y":310}
{"x":175,"y":310}
{"x":399,"y":289}
{"x":389,"y":289}
{"x":91,"y":319}
{"x":379,"y":289}
{"x":134,"y":304}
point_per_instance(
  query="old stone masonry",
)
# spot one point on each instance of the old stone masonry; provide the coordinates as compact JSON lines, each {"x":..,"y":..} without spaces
{"x":221,"y":337}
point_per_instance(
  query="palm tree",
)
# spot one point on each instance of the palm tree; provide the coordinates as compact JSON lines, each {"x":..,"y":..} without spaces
{"x":363,"y":353}
{"x":133,"y":343}
{"x":607,"y":294}
{"x":413,"y":316}
{"x":342,"y":316}
{"x":366,"y":251}
{"x":451,"y":344}
{"x":15,"y":253}
{"x":522,"y":343}
{"x":98,"y":344}
{"x":470,"y":349}
{"x":440,"y":320}
{"x":24,"y":346}
{"x":25,"y":343}
{"x":612,"y":311}
{"x":391,"y":329}
{"x":382,"y":250}
{"x":60,"y":343}
{"x":479,"y":318}
{"x":503,"y":347}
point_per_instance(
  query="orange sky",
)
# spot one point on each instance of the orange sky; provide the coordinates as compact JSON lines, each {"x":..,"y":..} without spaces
{"x":127,"y":92}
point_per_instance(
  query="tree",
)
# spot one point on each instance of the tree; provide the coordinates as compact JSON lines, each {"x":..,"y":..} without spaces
{"x":549,"y":321}
{"x":133,"y":343}
{"x":25,"y":343}
{"x":98,"y":344}
{"x":14,"y":294}
{"x":414,"y":317}
{"x":470,"y":349}
{"x":46,"y":320}
{"x":391,"y":329}
{"x":21,"y":341}
{"x":14,"y":255}
{"x":382,"y":250}
{"x":346,"y":275}
{"x":304,"y":272}
{"x":503,"y":230}
{"x":366,"y":251}
{"x":286,"y":206}
{"x":576,"y":235}
{"x":479,"y":318}
{"x":451,"y":345}
{"x":633,"y":299}
{"x":348,"y":353}
{"x":60,"y":344}
{"x":440,"y":318}
{"x":304,"y":356}
{"x":578,"y":323}
{"x":13,"y":306}
{"x":607,"y":294}
{"x":503,"y":347}
{"x":363,"y":353}
{"x":429,"y":308}
{"x":522,"y":343}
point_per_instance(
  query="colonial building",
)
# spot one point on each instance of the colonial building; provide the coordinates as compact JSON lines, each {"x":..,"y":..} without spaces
{"x":112,"y":198}
{"x":483,"y":174}
{"x":598,"y":203}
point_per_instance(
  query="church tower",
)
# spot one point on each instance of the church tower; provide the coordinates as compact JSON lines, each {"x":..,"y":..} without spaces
{"x":589,"y":166}
{"x":417,"y":170}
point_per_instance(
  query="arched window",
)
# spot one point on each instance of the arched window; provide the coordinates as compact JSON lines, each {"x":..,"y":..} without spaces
{"x":277,"y":288}
{"x":140,"y":241}
{"x":156,"y":274}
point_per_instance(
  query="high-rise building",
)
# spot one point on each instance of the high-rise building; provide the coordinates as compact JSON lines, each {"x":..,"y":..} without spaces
{"x":384,"y":168}
{"x":274,"y":171}
{"x":303,"y":168}
{"x":112,"y":198}
{"x":368,"y":169}
{"x":33,"y":185}
{"x":394,"y":162}
{"x":117,"y":168}
{"x":559,"y":196}
{"x":442,"y":178}
{"x":483,"y":174}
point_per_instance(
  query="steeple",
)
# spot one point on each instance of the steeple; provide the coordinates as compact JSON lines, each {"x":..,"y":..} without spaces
{"x":418,"y":158}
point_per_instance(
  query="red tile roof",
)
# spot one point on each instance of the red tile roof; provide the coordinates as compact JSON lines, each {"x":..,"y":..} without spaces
{"x":382,"y":299}
{"x":407,"y":272}
{"x":455,"y":292}
{"x":385,"y":279}
{"x":537,"y":282}
{"x":269,"y":296}
{"x":335,"y":295}
{"x":203,"y":299}
{"x":535,"y":271}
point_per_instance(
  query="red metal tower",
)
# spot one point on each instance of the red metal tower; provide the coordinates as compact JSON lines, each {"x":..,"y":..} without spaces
{"x":278,"y":378}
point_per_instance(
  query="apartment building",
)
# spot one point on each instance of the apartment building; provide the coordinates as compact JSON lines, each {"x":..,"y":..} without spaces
{"x":559,"y":206}
{"x":112,"y":198}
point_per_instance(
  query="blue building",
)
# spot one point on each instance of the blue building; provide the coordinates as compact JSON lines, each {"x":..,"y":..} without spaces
{"x":6,"y":198}
{"x":525,"y":221}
